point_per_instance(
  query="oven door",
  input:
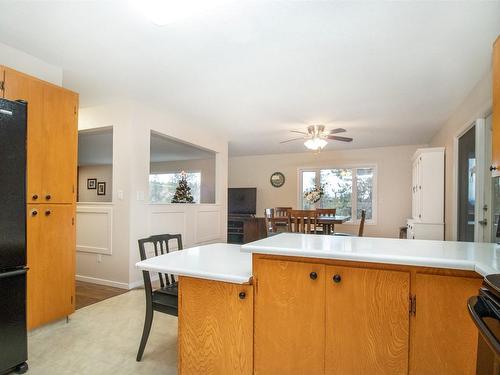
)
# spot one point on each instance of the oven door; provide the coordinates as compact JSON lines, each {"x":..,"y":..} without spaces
{"x":485,"y":313}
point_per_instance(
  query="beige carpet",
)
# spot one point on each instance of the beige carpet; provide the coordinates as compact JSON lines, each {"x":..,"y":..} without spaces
{"x":103,"y":339}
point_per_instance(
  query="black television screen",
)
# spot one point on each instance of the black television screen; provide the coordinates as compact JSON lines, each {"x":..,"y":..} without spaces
{"x":242,"y":201}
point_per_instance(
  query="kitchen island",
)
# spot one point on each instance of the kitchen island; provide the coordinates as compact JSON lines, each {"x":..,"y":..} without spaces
{"x":311,"y":304}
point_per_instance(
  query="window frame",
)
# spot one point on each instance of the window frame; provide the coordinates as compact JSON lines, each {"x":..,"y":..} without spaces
{"x":176,"y":172}
{"x":354,"y":196}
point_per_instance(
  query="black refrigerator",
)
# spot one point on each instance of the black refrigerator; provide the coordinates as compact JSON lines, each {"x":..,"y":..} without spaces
{"x":13,"y":337}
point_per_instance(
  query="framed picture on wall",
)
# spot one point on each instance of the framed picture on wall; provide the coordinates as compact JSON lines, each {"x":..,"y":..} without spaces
{"x":101,"y":188}
{"x":91,"y":183}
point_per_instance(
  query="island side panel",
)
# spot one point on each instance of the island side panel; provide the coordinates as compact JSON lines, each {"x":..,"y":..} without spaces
{"x":215,"y":327}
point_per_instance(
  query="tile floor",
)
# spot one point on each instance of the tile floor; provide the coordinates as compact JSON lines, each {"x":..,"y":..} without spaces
{"x":103,"y":339}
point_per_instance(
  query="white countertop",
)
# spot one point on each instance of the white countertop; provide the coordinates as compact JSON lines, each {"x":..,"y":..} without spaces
{"x":480,"y":257}
{"x":220,"y":262}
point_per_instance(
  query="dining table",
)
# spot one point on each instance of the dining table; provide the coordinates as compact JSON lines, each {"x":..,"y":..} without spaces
{"x":326,"y":221}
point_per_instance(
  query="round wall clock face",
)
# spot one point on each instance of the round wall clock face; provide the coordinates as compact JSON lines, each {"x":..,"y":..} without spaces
{"x":277,"y":179}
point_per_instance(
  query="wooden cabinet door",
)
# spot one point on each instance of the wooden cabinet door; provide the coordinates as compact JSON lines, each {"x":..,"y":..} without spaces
{"x":367,"y":321}
{"x":60,"y":145}
{"x":51,"y":257}
{"x":20,"y":86}
{"x":444,"y":338}
{"x":496,"y":106}
{"x":215,"y":328}
{"x":289,"y":328}
{"x":2,"y":72}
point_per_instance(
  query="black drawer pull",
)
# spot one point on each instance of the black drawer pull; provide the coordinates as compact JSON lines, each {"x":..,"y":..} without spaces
{"x":313,"y":275}
{"x":47,"y":212}
{"x":242,"y":295}
{"x":35,"y":197}
{"x":337,"y":278}
{"x":48,"y":196}
{"x":34,"y":212}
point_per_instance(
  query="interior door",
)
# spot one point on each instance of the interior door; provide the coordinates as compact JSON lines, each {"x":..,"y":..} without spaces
{"x":20,"y":86}
{"x":52,"y":283}
{"x":467,"y":185}
{"x":367,"y":321}
{"x":289,"y":330}
{"x":60,"y":137}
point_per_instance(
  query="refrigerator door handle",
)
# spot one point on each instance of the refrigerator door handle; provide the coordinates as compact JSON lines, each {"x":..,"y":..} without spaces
{"x":13,"y":273}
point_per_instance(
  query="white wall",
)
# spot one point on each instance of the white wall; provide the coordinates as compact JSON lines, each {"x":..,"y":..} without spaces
{"x":133,"y":215}
{"x":30,"y":65}
{"x":103,"y":173}
{"x":393,"y":180}
{"x":477,"y":105}
{"x":205,"y":166}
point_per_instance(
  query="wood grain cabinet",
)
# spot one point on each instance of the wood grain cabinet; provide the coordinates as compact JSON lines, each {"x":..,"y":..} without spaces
{"x":496,"y":108}
{"x":215,"y":328}
{"x":367,"y":321}
{"x":289,"y":328}
{"x":51,"y":178}
{"x":444,"y":338}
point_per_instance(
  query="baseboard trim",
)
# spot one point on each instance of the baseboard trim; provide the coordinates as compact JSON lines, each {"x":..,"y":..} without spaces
{"x":95,"y":280}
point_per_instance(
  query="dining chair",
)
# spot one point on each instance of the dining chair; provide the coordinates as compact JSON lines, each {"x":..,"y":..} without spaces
{"x":281,"y":219}
{"x":326,"y":212}
{"x":165,"y":298}
{"x":360,"y":229}
{"x":302,"y":221}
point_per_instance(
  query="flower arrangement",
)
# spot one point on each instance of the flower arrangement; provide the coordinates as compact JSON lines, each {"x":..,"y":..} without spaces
{"x":313,"y":195}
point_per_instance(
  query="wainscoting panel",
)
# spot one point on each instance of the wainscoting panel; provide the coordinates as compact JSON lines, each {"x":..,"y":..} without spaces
{"x":94,"y":232}
{"x":208,"y":225}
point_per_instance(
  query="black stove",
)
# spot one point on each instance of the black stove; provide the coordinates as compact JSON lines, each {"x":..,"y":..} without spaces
{"x":485,"y":312}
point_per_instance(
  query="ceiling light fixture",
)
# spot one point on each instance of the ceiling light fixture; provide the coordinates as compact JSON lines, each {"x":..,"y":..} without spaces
{"x":164,"y":12}
{"x":315,"y":143}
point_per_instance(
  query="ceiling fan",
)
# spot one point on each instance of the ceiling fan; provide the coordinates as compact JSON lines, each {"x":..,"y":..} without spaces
{"x":316,"y":138}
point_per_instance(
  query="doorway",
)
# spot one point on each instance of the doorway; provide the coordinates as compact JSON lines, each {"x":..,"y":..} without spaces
{"x":475,"y":211}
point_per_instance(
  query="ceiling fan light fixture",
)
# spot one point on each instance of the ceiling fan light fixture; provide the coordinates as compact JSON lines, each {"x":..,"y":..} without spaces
{"x":315,"y":143}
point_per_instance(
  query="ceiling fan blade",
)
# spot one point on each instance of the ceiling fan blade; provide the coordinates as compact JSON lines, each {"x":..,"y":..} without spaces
{"x":342,"y":139}
{"x":291,"y":140}
{"x":298,"y":131}
{"x":336,"y":131}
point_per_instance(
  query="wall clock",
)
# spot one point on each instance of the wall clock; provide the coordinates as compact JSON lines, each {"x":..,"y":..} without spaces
{"x":277,"y":179}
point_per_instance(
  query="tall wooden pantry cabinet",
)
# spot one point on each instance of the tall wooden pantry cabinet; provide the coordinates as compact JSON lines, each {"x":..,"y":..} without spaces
{"x":51,"y":196}
{"x":427,"y":221}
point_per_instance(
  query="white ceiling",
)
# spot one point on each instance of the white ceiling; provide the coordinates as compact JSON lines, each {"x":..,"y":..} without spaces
{"x":389,"y":72}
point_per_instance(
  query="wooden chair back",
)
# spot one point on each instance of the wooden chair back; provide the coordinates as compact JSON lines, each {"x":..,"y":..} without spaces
{"x":161,"y":246}
{"x":362,"y":223}
{"x":281,"y":211}
{"x":302,"y":221}
{"x":269,"y":217}
{"x":326,"y":211}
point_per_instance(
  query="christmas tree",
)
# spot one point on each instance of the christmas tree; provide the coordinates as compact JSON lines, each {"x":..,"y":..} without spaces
{"x":183,"y":191}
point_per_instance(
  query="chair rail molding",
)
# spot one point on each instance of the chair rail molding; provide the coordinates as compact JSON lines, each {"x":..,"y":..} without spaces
{"x":94,"y":228}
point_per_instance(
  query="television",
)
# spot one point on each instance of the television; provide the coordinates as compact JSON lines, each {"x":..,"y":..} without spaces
{"x":242,"y":201}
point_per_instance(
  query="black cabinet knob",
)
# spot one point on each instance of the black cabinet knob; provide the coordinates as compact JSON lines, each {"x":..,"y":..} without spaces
{"x":337,"y":278}
{"x":47,"y":212}
{"x":48,"y":196}
{"x":34,"y":212}
{"x":492,"y":168}
{"x":242,"y":295}
{"x":35,"y":197}
{"x":313,"y":275}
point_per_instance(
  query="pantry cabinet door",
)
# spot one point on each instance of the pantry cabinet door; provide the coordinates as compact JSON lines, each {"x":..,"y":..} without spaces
{"x":367,"y":321}
{"x":60,"y":138}
{"x":289,"y":330}
{"x":19,"y":86}
{"x":496,"y":107}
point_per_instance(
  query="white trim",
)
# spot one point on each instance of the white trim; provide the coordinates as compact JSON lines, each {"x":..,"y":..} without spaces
{"x":101,"y":210}
{"x":317,"y":168}
{"x":95,"y":280}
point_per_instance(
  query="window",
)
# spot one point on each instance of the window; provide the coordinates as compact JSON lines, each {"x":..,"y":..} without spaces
{"x":346,"y":189}
{"x":162,"y":186}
